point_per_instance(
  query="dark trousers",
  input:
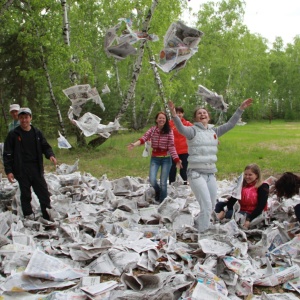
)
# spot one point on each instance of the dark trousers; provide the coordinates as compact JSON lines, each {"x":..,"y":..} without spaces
{"x":221,"y":205}
{"x":182,"y":172}
{"x":31,"y":177}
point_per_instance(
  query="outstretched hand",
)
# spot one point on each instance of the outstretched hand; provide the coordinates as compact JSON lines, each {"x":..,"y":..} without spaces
{"x":130,"y":146}
{"x":172,"y":108}
{"x":246,"y":103}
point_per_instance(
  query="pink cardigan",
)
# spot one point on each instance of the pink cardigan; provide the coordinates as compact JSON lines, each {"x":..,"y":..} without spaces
{"x":162,"y":144}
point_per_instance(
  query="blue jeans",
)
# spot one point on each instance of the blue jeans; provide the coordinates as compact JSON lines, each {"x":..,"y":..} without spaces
{"x":165,"y":163}
{"x":204,"y":187}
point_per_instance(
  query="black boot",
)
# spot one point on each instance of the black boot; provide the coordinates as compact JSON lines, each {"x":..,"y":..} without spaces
{"x":157,"y":194}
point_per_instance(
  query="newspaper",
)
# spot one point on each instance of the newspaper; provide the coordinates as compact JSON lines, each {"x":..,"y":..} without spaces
{"x":215,"y":247}
{"x":64,"y":169}
{"x":80,"y":94}
{"x":278,"y":276}
{"x":105,"y":89}
{"x":213,"y":99}
{"x":278,"y":296}
{"x":100,"y":228}
{"x":89,"y":124}
{"x":99,"y":289}
{"x":44,"y":266}
{"x":62,"y":142}
{"x":31,"y":284}
{"x":180,"y":44}
{"x":120,"y":46}
{"x":208,"y":278}
{"x":203,"y":290}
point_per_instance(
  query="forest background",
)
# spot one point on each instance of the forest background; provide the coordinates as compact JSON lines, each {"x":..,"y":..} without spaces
{"x":47,"y":46}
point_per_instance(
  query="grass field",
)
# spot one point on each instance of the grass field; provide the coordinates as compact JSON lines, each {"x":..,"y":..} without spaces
{"x":274,"y":147}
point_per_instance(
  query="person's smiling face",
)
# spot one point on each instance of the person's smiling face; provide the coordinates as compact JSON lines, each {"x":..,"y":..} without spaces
{"x":25,"y":121}
{"x":202,"y":116}
{"x":249,"y":176}
{"x":161,"y":120}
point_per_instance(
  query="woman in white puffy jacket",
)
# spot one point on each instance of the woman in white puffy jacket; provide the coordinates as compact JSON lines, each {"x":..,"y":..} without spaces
{"x":202,"y":140}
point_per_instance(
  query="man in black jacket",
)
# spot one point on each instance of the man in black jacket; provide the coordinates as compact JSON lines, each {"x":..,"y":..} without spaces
{"x":23,"y":160}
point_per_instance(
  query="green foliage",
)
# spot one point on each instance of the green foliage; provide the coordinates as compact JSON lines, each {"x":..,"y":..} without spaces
{"x":230,"y":60}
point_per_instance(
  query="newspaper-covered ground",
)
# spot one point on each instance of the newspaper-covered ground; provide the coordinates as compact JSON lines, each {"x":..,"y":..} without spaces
{"x":107,"y":239}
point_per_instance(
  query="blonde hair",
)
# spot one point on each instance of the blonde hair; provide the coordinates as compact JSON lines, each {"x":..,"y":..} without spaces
{"x":256,"y":170}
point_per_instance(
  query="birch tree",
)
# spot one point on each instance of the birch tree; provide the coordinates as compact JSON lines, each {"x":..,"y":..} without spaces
{"x":138,"y":63}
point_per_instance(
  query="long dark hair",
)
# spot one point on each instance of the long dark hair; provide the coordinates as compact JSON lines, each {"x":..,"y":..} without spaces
{"x":166,"y":128}
{"x":287,"y":185}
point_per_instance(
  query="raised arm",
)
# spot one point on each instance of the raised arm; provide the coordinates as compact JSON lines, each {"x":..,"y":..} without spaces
{"x":187,"y":131}
{"x":172,"y":108}
{"x":246,"y":103}
{"x":234,"y":119}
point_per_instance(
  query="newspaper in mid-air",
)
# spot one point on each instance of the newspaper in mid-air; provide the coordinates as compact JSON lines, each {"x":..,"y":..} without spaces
{"x":80,"y":94}
{"x":63,"y":142}
{"x":120,"y":46}
{"x":180,"y":44}
{"x":213,"y":99}
{"x":89,"y":124}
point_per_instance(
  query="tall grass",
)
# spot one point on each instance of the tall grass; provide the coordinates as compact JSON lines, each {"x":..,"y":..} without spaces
{"x":274,"y":147}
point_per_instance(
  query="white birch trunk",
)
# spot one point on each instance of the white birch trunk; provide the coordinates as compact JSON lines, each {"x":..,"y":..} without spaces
{"x":45,"y":68}
{"x":135,"y":124}
{"x":138,"y":64}
{"x":61,"y":123}
{"x":118,"y":78}
{"x":66,"y":28}
{"x":158,"y":82}
{"x":149,"y":112}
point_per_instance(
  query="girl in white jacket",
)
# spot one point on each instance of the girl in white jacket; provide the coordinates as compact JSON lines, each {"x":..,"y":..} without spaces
{"x":202,"y":140}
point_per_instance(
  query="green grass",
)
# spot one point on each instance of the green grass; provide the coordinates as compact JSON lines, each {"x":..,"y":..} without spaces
{"x":274,"y":147}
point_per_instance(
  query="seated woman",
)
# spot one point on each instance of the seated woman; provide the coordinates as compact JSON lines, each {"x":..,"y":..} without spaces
{"x":253,"y":200}
{"x":287,"y":186}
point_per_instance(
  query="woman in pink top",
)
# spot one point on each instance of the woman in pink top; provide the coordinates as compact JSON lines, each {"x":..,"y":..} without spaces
{"x":163,"y":151}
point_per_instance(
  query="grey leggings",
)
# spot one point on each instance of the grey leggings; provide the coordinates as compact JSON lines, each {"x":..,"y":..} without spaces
{"x":204,"y":187}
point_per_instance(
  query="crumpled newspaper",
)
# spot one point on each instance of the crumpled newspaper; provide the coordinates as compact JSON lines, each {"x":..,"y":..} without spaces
{"x":120,"y":46}
{"x":63,"y":142}
{"x":180,"y":44}
{"x":213,"y":99}
{"x":113,"y":227}
{"x":80,"y":94}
